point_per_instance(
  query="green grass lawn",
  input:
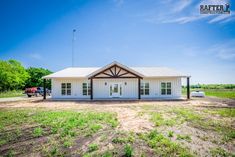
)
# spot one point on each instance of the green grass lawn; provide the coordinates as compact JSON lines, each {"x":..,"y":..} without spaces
{"x":221,"y":93}
{"x":14,"y":93}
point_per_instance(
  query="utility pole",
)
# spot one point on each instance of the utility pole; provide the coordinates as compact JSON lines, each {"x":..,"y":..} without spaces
{"x":74,"y":30}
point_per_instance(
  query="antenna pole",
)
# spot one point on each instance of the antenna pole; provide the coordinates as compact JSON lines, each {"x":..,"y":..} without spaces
{"x":74,"y":30}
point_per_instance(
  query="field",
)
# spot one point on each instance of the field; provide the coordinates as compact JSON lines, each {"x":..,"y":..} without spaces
{"x":221,"y":93}
{"x":14,"y":93}
{"x":168,"y":128}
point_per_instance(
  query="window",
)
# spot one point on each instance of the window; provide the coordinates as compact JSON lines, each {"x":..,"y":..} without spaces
{"x":65,"y":88}
{"x":144,"y":88}
{"x":166,"y":88}
{"x":86,"y":89}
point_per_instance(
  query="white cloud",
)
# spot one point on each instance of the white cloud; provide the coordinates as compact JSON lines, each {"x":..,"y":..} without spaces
{"x":185,"y":19}
{"x":181,"y":5}
{"x":223,"y":18}
{"x":224,"y":51}
{"x":186,"y":11}
{"x":35,"y":56}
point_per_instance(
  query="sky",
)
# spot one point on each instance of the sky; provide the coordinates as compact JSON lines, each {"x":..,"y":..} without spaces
{"x":168,"y":33}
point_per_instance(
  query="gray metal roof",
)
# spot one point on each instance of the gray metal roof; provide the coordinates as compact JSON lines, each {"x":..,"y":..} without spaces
{"x":150,"y":72}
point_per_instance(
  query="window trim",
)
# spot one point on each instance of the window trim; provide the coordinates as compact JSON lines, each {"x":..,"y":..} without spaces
{"x":66,"y":89}
{"x":143,"y":88}
{"x":87,"y":90}
{"x":166,"y":88}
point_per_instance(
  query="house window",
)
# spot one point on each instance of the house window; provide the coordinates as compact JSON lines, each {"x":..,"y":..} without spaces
{"x":86,"y":89}
{"x":144,"y":88}
{"x":166,"y":88}
{"x":65,"y":88}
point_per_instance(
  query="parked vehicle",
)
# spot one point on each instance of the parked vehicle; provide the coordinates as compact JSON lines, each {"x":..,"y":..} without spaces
{"x":40,"y":91}
{"x":198,"y":94}
{"x":36,"y":91}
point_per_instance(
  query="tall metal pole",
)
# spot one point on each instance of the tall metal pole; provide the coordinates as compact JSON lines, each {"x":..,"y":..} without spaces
{"x":73,"y":47}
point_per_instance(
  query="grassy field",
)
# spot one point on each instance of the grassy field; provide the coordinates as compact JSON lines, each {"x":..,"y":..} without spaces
{"x":13,"y":93}
{"x":52,"y":132}
{"x":73,"y":129}
{"x":221,"y":93}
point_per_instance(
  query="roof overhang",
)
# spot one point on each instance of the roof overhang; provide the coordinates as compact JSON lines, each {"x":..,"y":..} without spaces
{"x":129,"y":72}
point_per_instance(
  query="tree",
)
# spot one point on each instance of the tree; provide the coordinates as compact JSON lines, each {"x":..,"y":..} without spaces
{"x":36,"y":75}
{"x":12,"y":75}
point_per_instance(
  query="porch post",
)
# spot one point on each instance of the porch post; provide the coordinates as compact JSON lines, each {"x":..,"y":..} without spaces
{"x":188,"y":88}
{"x":44,"y":89}
{"x":139,"y":97}
{"x":91,"y":88}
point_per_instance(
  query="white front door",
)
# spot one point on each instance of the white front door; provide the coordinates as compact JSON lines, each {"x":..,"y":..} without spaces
{"x":115,"y":90}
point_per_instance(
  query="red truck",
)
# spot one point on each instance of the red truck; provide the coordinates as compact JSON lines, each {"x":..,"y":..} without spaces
{"x":36,"y":91}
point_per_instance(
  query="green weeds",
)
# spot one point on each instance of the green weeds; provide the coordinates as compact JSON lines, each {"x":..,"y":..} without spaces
{"x":204,"y":123}
{"x":92,"y":147}
{"x":170,"y":133}
{"x":128,"y":150}
{"x":224,"y":112}
{"x":184,"y":137}
{"x":219,"y":152}
{"x":37,"y":132}
{"x":163,"y":146}
{"x":158,"y":120}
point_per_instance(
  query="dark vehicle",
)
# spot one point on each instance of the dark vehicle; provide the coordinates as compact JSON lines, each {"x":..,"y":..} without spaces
{"x":36,"y":91}
{"x":40,"y":91}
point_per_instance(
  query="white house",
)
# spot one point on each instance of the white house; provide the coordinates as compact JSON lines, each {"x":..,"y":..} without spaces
{"x":117,"y":81}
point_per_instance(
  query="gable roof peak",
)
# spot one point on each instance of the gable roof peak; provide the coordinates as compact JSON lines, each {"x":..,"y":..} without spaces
{"x":118,"y":64}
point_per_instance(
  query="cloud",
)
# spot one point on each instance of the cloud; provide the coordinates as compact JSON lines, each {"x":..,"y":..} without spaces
{"x":187,"y":11}
{"x":185,"y":19}
{"x":181,"y":5}
{"x":35,"y":56}
{"x":224,"y":51}
{"x":223,"y":18}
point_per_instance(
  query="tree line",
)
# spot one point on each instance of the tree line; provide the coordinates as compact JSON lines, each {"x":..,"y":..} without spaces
{"x":212,"y":86}
{"x":13,"y":76}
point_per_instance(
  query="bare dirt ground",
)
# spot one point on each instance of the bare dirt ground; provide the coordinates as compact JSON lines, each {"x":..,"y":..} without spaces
{"x":136,"y":116}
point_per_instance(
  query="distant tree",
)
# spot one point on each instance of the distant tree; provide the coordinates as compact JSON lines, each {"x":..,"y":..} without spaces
{"x":36,"y":75}
{"x":12,"y":75}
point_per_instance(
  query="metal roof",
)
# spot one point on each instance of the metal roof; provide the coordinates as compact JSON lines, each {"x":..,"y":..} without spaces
{"x":149,"y":72}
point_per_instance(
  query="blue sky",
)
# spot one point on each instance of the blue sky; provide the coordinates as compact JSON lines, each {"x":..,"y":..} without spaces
{"x":169,"y":33}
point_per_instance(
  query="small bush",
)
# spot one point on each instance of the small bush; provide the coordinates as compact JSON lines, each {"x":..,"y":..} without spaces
{"x":37,"y":132}
{"x":128,"y":151}
{"x":184,"y":137}
{"x":54,"y":151}
{"x":107,"y":154}
{"x":170,"y":133}
{"x":219,"y":152}
{"x":68,"y":143}
{"x":164,"y":146}
{"x":92,"y":147}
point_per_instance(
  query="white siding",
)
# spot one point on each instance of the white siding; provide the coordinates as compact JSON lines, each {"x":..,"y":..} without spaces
{"x":155,"y":87}
{"x":76,"y":87}
{"x":101,"y":91}
{"x":129,"y":91}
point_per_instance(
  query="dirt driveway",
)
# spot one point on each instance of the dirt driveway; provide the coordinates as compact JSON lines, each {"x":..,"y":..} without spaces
{"x":203,"y":126}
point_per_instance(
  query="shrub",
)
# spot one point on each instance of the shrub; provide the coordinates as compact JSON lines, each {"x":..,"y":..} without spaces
{"x":92,"y":147}
{"x":170,"y":133}
{"x":37,"y":132}
{"x":128,"y":151}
